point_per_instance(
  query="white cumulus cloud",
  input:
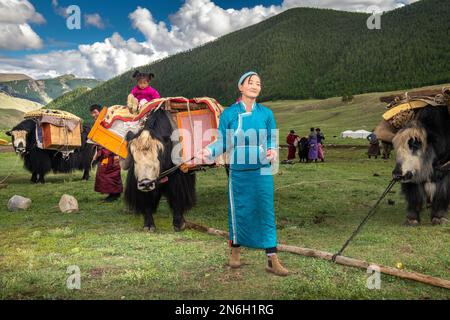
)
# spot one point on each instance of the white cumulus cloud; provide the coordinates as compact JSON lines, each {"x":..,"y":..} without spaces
{"x":94,"y":20}
{"x":348,"y":5}
{"x":195,"y":23}
{"x":15,"y":30}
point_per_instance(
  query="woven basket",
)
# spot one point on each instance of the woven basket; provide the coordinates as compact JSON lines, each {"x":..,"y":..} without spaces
{"x":53,"y":113}
{"x":402,"y":118}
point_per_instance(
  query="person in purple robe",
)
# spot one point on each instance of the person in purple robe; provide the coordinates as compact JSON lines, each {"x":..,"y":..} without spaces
{"x":313,"y":153}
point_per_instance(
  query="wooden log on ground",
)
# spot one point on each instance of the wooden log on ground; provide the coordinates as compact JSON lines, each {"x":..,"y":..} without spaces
{"x":437,"y":282}
{"x":207,"y":230}
{"x":350,"y":262}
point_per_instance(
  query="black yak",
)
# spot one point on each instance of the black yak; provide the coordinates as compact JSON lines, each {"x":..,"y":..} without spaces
{"x":303,"y":149}
{"x":149,"y":154}
{"x":423,"y":149}
{"x":40,"y":161}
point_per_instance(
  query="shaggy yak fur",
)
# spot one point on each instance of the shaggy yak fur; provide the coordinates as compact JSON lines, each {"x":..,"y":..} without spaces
{"x":40,"y":162}
{"x":149,"y":155}
{"x":423,"y":150}
{"x":303,"y":149}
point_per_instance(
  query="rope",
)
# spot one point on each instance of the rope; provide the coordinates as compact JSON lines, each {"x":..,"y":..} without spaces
{"x":189,"y":114}
{"x":191,"y":124}
{"x":65,"y":153}
{"x":173,"y":169}
{"x":366,"y":219}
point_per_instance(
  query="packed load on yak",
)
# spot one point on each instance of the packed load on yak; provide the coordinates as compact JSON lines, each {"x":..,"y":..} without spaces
{"x":403,"y":108}
{"x":52,"y":140}
{"x":417,"y":126}
{"x":196,"y":120}
{"x":56,"y":129}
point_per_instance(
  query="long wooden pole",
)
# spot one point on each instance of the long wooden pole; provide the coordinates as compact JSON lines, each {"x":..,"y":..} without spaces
{"x":437,"y":282}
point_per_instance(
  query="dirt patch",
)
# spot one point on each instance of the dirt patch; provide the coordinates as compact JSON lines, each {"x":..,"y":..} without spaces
{"x":318,"y":219}
{"x":98,"y":272}
{"x":6,"y":149}
{"x":406,"y":249}
{"x":230,"y":275}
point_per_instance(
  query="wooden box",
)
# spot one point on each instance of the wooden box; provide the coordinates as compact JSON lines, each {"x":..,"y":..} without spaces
{"x":197,"y":132}
{"x":108,"y":139}
{"x":60,"y":138}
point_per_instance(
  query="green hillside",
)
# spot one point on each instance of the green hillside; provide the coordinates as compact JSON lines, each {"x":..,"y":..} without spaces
{"x":44,"y":91}
{"x":304,"y":53}
{"x":67,"y":97}
{"x":24,"y":105}
{"x":9,"y":118}
{"x":5,"y":77}
{"x":332,"y":115}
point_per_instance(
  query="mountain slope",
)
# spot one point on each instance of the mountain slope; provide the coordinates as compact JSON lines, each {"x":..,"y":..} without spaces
{"x":304,"y":53}
{"x":5,"y":77}
{"x":9,"y":118}
{"x":23,"y":105}
{"x":44,"y":91}
{"x":67,"y":97}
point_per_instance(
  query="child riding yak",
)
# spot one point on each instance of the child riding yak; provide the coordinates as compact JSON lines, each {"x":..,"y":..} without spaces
{"x":143,"y":92}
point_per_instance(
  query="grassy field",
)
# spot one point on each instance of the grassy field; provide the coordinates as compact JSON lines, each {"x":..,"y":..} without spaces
{"x":332,"y":115}
{"x":317,"y":206}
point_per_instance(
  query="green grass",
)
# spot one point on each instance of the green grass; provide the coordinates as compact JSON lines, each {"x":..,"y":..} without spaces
{"x":317,"y":206}
{"x":332,"y":115}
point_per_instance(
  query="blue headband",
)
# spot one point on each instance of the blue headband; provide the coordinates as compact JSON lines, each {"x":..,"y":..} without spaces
{"x":245,"y":76}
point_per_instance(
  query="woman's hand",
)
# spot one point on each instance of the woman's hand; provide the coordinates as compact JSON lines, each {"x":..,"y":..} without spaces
{"x":204,"y":156}
{"x":271,"y":154}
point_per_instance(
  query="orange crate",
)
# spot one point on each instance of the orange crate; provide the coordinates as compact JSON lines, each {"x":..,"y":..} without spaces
{"x":107,"y":139}
{"x":60,"y":138}
{"x":202,"y":121}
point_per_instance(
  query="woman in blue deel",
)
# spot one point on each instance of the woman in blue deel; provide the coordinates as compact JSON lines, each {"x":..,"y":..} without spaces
{"x":247,"y":130}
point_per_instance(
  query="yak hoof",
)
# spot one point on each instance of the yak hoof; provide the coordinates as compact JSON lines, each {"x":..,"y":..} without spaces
{"x":180,"y":228}
{"x":412,"y":222}
{"x":150,"y":229}
{"x":439,"y":221}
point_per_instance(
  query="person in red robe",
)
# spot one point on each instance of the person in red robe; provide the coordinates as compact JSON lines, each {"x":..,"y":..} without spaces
{"x":290,"y":140}
{"x":108,"y":179}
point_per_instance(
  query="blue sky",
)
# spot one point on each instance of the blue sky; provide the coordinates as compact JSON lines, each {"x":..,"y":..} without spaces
{"x":118,"y":35}
{"x":57,"y":36}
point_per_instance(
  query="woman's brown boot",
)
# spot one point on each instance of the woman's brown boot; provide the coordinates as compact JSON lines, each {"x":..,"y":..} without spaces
{"x":235,"y":258}
{"x":274,"y":266}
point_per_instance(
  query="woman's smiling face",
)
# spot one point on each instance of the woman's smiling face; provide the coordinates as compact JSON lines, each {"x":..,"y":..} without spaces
{"x":251,"y":87}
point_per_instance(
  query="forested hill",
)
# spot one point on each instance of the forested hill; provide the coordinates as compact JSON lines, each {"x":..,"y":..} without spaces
{"x":304,"y":53}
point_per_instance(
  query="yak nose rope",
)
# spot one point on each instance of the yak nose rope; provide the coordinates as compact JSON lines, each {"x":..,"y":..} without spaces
{"x":171,"y":170}
{"x":366,"y":219}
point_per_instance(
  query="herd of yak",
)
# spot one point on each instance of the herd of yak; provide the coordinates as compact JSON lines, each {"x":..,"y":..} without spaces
{"x":422,"y":150}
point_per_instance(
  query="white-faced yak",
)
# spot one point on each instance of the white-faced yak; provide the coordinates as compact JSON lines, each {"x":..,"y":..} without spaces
{"x":40,"y":161}
{"x":149,"y":154}
{"x":423,"y":150}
